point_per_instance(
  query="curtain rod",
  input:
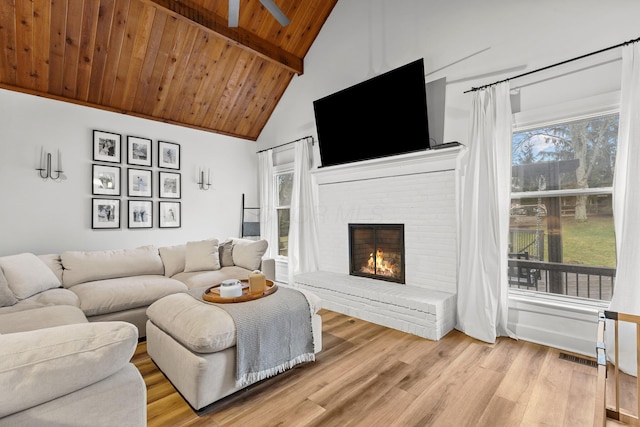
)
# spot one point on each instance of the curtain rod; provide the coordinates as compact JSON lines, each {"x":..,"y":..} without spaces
{"x":473,"y":89}
{"x":287,"y":143}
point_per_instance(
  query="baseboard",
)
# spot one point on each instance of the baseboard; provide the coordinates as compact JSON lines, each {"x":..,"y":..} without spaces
{"x":566,"y":327}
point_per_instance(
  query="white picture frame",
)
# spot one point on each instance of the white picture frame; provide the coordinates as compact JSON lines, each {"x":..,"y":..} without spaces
{"x":140,"y":213}
{"x":105,"y":180}
{"x":139,"y":151}
{"x":169,"y":185}
{"x":169,"y":214}
{"x":139,"y":182}
{"x":106,"y":146}
{"x":168,"y":155}
{"x":105,"y":213}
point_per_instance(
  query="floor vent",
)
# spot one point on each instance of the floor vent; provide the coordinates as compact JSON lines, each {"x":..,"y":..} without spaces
{"x":578,"y":359}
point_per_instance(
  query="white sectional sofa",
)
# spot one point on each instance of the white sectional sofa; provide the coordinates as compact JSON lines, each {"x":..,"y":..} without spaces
{"x":85,"y":311}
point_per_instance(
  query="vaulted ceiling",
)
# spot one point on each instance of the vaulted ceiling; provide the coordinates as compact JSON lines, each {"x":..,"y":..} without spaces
{"x":174,"y":61}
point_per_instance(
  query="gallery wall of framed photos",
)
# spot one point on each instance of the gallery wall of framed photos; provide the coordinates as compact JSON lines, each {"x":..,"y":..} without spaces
{"x":113,"y":178}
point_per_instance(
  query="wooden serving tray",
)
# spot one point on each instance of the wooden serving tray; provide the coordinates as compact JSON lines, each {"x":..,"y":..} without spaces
{"x":213,"y":293}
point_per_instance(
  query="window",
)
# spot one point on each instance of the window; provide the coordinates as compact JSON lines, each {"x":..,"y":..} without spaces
{"x":561,"y":233}
{"x":284,"y":186}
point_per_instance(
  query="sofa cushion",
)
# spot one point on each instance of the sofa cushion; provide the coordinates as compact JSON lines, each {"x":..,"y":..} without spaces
{"x":7,"y":298}
{"x":54,"y":263}
{"x":198,"y":279}
{"x":248,"y":253}
{"x":41,"y":365}
{"x":112,"y":295}
{"x":57,"y":296}
{"x":81,"y":266}
{"x":119,"y":400}
{"x":225,"y":250}
{"x":21,"y":305}
{"x":27,"y":275}
{"x":201,"y":327}
{"x":202,"y":256}
{"x":173,"y":258}
{"x":41,"y":318}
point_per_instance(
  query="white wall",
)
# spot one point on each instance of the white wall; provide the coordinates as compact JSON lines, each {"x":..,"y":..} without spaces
{"x":470,"y":44}
{"x":363,"y":38}
{"x":44,"y":216}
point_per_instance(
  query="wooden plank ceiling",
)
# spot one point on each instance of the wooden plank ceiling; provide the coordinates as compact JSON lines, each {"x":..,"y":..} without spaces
{"x":167,"y":60}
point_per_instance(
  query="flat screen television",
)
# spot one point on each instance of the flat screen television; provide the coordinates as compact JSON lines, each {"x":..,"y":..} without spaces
{"x":383,"y":116}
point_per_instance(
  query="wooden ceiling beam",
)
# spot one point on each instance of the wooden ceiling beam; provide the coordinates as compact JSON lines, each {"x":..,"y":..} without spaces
{"x":237,"y":36}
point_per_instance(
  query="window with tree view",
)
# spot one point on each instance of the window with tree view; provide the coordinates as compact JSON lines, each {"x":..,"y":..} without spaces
{"x":284,"y":186}
{"x":561,"y":233}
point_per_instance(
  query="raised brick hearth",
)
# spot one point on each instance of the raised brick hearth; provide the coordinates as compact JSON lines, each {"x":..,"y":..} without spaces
{"x":417,"y":190}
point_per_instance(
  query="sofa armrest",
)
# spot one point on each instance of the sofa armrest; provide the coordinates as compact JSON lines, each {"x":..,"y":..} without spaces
{"x":42,"y":365}
{"x":268,"y":268}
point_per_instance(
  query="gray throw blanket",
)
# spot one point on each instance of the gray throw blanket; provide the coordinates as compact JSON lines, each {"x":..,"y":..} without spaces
{"x":273,"y":333}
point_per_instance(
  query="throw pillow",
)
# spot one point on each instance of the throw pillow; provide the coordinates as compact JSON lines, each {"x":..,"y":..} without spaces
{"x":7,"y":297}
{"x":54,"y":263}
{"x":248,"y":253}
{"x":173,"y":258}
{"x":27,"y":275}
{"x":202,"y":256}
{"x":226,"y":257}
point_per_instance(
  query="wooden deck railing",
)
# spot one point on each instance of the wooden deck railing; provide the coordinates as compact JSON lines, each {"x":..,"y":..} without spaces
{"x":564,"y":279}
{"x":603,"y":411}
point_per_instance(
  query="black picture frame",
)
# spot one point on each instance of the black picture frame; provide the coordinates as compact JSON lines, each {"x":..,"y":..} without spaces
{"x":106,"y":146}
{"x":169,"y":214}
{"x":168,"y":155}
{"x":105,"y":180}
{"x":169,"y":185}
{"x":140,"y":214}
{"x":105,"y":213}
{"x":139,"y":151}
{"x":139,"y":182}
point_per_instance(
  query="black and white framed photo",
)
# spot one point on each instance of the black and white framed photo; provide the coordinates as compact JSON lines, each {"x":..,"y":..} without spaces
{"x":138,"y":182}
{"x":140,"y":213}
{"x":169,"y":214}
{"x":138,"y":151}
{"x":105,"y":180}
{"x":106,"y":146}
{"x":168,"y":155}
{"x":105,"y":213}
{"x":170,"y":185}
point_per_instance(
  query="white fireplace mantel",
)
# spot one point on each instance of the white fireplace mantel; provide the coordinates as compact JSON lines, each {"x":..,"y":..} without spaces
{"x":405,"y":164}
{"x":417,"y":190}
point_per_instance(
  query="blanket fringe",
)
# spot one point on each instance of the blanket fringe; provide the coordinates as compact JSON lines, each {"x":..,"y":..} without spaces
{"x":253,"y":377}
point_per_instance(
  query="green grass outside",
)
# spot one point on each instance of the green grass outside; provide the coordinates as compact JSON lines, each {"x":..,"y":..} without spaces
{"x":590,"y":243}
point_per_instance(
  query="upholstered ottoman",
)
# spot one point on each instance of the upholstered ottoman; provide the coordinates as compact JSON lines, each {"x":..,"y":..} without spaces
{"x":194,"y":344}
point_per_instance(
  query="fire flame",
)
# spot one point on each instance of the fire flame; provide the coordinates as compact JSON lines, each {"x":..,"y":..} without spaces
{"x":381,"y":266}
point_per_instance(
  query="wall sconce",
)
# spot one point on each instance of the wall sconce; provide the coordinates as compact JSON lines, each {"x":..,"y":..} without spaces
{"x":45,"y":170}
{"x":201,"y":181}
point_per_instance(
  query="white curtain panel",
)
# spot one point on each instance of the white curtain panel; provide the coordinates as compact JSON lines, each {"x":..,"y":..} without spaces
{"x":484,"y":221}
{"x":626,"y":211}
{"x":268,"y":222}
{"x":303,"y":226}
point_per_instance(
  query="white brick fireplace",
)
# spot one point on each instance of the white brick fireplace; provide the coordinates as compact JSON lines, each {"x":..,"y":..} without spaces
{"x":417,"y":190}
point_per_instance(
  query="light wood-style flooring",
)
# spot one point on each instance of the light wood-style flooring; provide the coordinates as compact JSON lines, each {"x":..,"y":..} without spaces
{"x":369,"y":375}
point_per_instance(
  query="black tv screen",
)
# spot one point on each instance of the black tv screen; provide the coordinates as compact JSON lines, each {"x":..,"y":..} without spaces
{"x":383,"y":116}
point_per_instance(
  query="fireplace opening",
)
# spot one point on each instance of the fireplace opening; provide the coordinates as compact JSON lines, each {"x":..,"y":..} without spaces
{"x":377,"y":251}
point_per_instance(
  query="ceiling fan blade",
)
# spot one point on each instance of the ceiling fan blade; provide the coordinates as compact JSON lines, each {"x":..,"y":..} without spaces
{"x":276,"y":12}
{"x":234,"y":12}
